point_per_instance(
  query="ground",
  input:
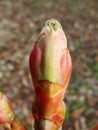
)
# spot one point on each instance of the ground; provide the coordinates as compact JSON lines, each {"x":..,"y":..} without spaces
{"x":20,"y":23}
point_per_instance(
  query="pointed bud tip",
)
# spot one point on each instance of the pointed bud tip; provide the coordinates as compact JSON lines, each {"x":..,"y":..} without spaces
{"x":53,"y":24}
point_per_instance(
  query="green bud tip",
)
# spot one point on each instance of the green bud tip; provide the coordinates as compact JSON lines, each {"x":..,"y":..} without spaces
{"x":53,"y":24}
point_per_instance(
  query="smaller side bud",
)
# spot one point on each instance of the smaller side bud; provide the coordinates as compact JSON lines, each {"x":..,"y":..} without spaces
{"x":6,"y":112}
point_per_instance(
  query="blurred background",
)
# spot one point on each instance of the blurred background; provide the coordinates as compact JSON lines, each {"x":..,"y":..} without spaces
{"x":20,"y":23}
